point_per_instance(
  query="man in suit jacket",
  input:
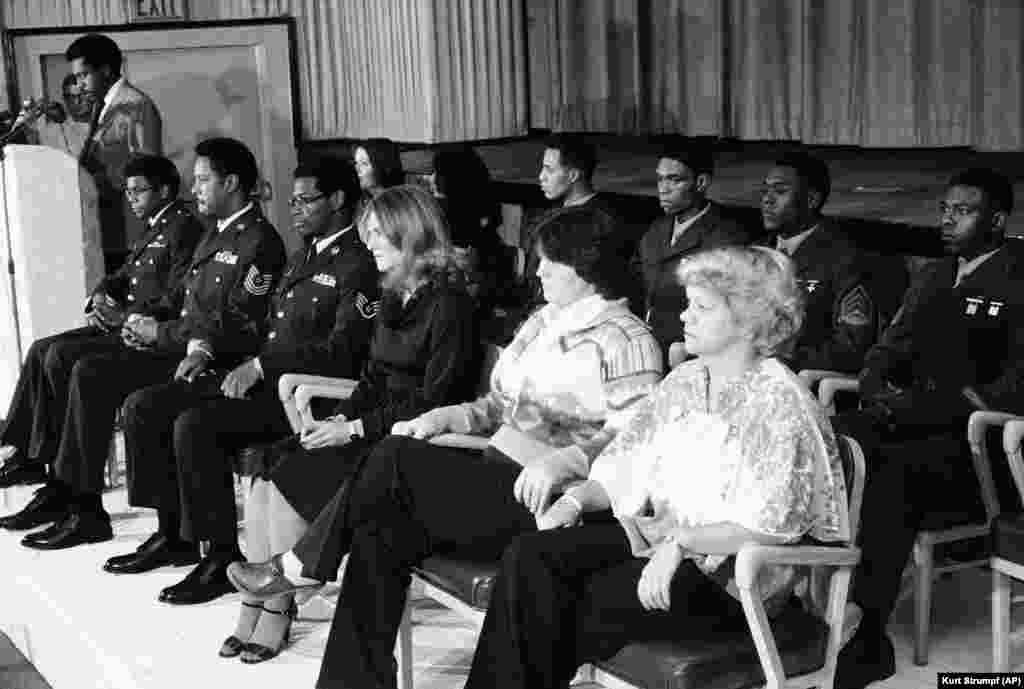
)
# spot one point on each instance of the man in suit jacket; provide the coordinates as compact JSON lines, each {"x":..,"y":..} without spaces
{"x":223,"y":299}
{"x":181,"y":437}
{"x":124,"y":122}
{"x":955,"y":346}
{"x":155,"y":267}
{"x":691,"y":223}
{"x":842,"y":319}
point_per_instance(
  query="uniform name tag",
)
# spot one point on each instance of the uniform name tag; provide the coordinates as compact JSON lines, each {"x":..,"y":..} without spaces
{"x":325,"y":279}
{"x":227,"y":257}
{"x":158,"y":245}
{"x":973,"y":304}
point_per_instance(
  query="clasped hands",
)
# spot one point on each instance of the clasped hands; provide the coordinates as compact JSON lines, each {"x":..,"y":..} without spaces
{"x":105,"y":313}
{"x":333,"y":432}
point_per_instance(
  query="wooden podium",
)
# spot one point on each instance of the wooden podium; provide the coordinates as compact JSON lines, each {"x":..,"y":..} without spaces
{"x":51,"y":248}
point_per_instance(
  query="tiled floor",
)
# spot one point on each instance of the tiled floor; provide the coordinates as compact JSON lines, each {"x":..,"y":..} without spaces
{"x":84,"y":628}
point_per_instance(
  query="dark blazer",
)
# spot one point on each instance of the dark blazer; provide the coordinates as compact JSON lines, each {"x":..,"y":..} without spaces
{"x":322,"y":312}
{"x":944,"y":339}
{"x":225,"y":292}
{"x":423,"y":355}
{"x":842,"y":319}
{"x":659,"y":262}
{"x":157,"y":262}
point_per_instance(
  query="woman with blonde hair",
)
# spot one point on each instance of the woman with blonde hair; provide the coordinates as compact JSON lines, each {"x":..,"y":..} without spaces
{"x":730,"y":449}
{"x":423,"y":353}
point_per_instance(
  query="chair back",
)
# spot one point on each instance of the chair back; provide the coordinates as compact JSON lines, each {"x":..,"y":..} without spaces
{"x":854,"y":472}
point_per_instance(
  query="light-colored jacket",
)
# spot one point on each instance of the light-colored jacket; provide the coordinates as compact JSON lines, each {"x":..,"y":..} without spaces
{"x":131,"y":124}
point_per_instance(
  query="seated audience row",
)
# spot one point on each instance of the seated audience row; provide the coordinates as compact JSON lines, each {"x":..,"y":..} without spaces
{"x":193,"y":333}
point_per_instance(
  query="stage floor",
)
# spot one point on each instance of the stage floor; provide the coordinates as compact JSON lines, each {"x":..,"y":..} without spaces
{"x":901,"y":186}
{"x":83,"y":628}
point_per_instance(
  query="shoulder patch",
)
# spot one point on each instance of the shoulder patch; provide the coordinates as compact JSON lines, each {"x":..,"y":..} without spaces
{"x":856,"y":307}
{"x":366,"y":308}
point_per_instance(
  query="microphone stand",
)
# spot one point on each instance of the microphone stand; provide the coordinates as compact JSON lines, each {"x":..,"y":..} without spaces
{"x":9,"y":247}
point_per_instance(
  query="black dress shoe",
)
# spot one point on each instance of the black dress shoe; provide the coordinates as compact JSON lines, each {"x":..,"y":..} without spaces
{"x":18,"y":472}
{"x":157,"y":551}
{"x":75,"y":529}
{"x":48,"y":505}
{"x":868,"y":657}
{"x":208,"y":581}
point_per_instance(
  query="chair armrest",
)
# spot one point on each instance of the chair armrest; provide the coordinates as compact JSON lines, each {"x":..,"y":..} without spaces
{"x":978,"y":425}
{"x":812,"y":376}
{"x":286,"y":388}
{"x":752,"y":557}
{"x":828,"y":387}
{"x":461,"y":441}
{"x":1013,"y":434}
{"x":339,"y":390}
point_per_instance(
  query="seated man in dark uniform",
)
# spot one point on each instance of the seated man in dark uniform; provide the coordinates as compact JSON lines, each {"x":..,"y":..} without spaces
{"x":955,"y":346}
{"x":181,"y":437}
{"x":223,"y":304}
{"x":155,"y":267}
{"x":842,"y":319}
{"x":691,"y":223}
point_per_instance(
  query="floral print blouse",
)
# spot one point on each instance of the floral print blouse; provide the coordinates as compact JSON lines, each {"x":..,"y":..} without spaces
{"x":763,"y":456}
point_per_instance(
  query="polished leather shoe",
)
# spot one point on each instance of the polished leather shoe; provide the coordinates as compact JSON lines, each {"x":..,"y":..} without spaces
{"x":208,"y":581}
{"x":48,"y":505}
{"x":75,"y":529}
{"x":266,"y":580}
{"x":18,"y":472}
{"x":156,"y":551}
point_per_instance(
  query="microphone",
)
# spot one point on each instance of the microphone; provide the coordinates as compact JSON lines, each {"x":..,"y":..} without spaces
{"x":32,"y":110}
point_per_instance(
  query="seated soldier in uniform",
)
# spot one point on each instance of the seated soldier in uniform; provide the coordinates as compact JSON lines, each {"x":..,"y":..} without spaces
{"x":691,"y":223}
{"x":955,"y":346}
{"x":214,"y":319}
{"x":842,"y":317}
{"x":156,"y":265}
{"x":181,"y":436}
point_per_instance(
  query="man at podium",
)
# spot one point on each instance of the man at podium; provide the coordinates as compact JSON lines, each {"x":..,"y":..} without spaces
{"x":124,"y":121}
{"x":154,"y":268}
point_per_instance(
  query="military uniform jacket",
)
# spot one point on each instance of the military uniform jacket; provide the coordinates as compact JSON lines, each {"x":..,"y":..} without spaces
{"x":841,"y":320}
{"x":945,"y":338}
{"x":665,"y":298}
{"x":225,"y":292}
{"x":157,"y":262}
{"x":322,"y":312}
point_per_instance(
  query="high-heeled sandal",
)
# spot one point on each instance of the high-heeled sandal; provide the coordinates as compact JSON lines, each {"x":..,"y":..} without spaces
{"x":232,"y":645}
{"x":258,"y":653}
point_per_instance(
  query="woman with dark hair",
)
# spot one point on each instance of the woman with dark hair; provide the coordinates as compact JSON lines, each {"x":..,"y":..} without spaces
{"x":575,"y":365}
{"x":422,"y":354}
{"x":379,"y":165}
{"x":462,"y":184}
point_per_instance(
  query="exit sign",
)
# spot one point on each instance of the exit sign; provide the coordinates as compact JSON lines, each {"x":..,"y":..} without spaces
{"x":159,"y":10}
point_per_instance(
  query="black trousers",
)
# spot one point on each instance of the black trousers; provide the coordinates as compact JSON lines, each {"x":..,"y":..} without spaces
{"x":35,"y":419}
{"x":569,"y":596}
{"x":917,"y":478}
{"x":180,"y":439}
{"x":98,"y":385}
{"x":410,"y":500}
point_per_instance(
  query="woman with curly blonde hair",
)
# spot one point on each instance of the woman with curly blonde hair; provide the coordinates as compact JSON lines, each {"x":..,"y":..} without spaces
{"x":422,"y":355}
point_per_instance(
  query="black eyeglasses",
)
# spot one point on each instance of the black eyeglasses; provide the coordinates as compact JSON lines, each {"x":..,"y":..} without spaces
{"x":134,"y":193}
{"x":304,"y":201}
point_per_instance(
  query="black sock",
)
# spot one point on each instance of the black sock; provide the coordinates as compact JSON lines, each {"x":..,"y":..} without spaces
{"x":224,"y":552}
{"x":90,"y":503}
{"x":169,"y":524}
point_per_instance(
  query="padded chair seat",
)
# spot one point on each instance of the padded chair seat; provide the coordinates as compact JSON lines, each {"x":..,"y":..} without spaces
{"x":726,"y":661}
{"x":470,"y":582}
{"x":1008,"y":537}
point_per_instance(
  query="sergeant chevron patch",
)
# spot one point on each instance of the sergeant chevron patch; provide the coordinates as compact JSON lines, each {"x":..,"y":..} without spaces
{"x":257,"y":283}
{"x":367,"y":309}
